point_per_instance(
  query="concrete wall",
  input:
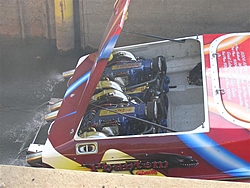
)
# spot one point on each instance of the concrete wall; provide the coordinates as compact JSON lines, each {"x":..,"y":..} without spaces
{"x":167,"y":18}
{"x":94,"y":16}
{"x":27,"y":19}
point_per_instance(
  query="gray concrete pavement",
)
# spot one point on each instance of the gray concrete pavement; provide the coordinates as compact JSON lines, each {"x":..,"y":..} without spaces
{"x":168,"y":18}
{"x":30,"y":177}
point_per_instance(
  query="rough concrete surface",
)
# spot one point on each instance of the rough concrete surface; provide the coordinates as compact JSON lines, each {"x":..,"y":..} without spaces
{"x":13,"y":176}
{"x":166,"y":18}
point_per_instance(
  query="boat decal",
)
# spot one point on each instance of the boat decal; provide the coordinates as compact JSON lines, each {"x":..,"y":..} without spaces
{"x":227,"y":43}
{"x":141,"y":164}
{"x":216,"y":155}
{"x":77,"y":83}
{"x":108,"y":48}
{"x":69,"y":114}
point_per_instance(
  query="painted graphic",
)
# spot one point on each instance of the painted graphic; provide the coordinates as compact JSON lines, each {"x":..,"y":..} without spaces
{"x":141,"y":164}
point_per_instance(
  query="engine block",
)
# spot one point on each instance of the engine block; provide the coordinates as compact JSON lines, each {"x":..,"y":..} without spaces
{"x":132,"y":93}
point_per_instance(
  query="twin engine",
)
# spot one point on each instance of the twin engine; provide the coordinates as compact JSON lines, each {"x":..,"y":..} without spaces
{"x":130,"y":98}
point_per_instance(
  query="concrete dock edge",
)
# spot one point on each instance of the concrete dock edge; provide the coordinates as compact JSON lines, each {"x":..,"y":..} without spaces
{"x":17,"y":176}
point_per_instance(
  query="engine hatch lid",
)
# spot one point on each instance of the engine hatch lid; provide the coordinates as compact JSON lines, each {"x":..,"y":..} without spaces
{"x":85,"y":79}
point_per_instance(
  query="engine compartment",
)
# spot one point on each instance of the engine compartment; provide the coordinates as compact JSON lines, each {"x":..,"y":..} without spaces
{"x":135,"y":96}
{"x":130,"y":99}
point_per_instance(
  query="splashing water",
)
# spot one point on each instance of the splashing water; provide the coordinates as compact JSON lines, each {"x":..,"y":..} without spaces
{"x":22,"y":134}
{"x":32,"y":126}
{"x":48,"y":85}
{"x":23,"y":131}
{"x":55,"y":79}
